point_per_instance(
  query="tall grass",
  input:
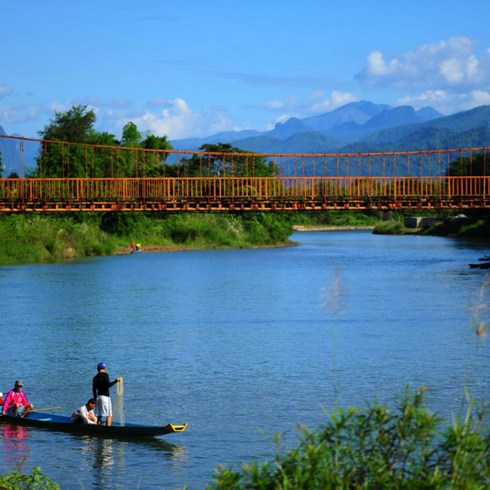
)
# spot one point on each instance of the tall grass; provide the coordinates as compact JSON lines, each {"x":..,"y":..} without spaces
{"x":380,"y":448}
{"x":48,"y":238}
{"x":37,"y":238}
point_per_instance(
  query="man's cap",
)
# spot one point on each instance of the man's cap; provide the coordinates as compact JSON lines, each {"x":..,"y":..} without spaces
{"x":19,"y":382}
{"x":101,"y":365}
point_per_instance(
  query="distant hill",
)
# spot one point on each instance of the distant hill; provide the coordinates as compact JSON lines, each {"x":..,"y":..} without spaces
{"x":9,"y":149}
{"x":308,"y":141}
{"x":323,"y":133}
{"x":461,"y":122}
{"x":13,"y":157}
{"x":361,"y":127}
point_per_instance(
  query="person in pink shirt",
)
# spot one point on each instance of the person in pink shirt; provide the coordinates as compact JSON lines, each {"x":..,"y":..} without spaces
{"x":16,"y":402}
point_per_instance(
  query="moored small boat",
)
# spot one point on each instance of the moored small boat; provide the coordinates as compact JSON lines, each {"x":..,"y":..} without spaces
{"x":64,"y":424}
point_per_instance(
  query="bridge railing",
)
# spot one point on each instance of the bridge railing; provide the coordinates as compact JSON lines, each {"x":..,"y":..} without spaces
{"x":246,"y":189}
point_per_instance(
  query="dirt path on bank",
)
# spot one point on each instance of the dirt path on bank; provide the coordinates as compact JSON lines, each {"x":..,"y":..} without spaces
{"x":152,"y":248}
{"x":330,"y":228}
{"x":176,"y":248}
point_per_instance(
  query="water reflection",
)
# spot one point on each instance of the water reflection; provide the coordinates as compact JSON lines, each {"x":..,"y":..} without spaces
{"x":14,"y":442}
{"x":105,"y":458}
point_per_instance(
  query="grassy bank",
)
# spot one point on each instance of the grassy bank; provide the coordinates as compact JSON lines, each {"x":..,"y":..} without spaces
{"x":473,"y":225}
{"x":47,"y":238}
{"x":38,"y":238}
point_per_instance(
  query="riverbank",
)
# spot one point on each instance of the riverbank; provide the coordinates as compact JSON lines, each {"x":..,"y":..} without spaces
{"x":330,"y":228}
{"x":48,"y":238}
{"x":174,"y":248}
{"x":471,"y":226}
{"x":61,"y":238}
{"x":123,"y":250}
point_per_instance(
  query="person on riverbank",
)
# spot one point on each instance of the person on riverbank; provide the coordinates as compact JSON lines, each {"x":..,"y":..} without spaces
{"x":16,"y":402}
{"x":100,"y":390}
{"x":85,"y":414}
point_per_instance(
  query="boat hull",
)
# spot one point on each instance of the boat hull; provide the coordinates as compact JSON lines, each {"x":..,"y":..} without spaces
{"x":64,"y":424}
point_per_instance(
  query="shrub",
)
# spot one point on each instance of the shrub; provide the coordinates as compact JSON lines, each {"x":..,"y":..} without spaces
{"x":15,"y":481}
{"x":377,"y":448}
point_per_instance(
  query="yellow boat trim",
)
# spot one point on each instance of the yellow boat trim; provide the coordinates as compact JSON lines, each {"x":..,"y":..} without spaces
{"x":178,"y":428}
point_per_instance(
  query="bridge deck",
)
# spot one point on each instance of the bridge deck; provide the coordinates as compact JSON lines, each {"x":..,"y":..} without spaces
{"x":242,"y":194}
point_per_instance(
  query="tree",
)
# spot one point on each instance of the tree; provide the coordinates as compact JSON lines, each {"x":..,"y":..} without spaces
{"x":155,"y":160}
{"x":223,"y":159}
{"x":99,"y":154}
{"x":475,"y":165}
{"x":59,"y":160}
{"x":131,"y":137}
{"x":75,"y":125}
{"x":137,"y":161}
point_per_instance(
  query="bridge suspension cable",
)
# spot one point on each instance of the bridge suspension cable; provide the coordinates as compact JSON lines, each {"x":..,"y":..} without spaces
{"x":68,"y":176}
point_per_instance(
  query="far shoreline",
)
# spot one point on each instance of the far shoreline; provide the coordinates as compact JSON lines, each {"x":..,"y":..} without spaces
{"x":330,"y":228}
{"x":181,"y":248}
{"x":296,"y":228}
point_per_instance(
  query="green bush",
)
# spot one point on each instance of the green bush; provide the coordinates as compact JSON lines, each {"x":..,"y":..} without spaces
{"x":36,"y":481}
{"x":392,"y":228}
{"x":378,"y":448}
{"x":41,"y":238}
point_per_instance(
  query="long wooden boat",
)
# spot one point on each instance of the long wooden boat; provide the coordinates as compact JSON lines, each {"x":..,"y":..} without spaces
{"x":64,"y":424}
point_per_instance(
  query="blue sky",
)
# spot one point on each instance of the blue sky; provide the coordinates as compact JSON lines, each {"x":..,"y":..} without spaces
{"x":192,"y":68}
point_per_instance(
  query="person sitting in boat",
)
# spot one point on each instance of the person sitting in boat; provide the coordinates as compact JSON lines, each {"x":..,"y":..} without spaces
{"x":16,"y":402}
{"x":85,"y":414}
{"x":1,"y":400}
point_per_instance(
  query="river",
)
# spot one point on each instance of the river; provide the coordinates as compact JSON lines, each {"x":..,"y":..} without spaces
{"x":240,"y":344}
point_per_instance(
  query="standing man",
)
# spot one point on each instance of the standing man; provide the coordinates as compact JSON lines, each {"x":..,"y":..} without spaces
{"x":100,"y":389}
{"x":16,"y":402}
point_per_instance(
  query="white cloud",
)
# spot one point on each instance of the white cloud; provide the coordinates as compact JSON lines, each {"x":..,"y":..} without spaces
{"x":447,"y":64}
{"x":447,"y":102}
{"x":19,"y":114}
{"x":173,"y":118}
{"x":319,"y":103}
{"x":449,"y":74}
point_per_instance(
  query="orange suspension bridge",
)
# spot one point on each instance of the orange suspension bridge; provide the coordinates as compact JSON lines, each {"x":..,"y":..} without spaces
{"x":99,"y":178}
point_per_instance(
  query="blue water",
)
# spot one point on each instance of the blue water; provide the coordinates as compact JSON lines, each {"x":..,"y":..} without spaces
{"x":241,"y":344}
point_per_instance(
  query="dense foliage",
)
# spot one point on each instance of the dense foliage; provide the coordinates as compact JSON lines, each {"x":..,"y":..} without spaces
{"x":474,"y":165}
{"x":126,"y":158}
{"x":225,"y":160}
{"x":42,"y":238}
{"x":35,"y":481}
{"x":378,"y":448}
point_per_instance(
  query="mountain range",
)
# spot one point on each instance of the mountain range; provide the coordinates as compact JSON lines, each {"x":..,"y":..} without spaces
{"x":356,"y":127}
{"x":361,"y":127}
